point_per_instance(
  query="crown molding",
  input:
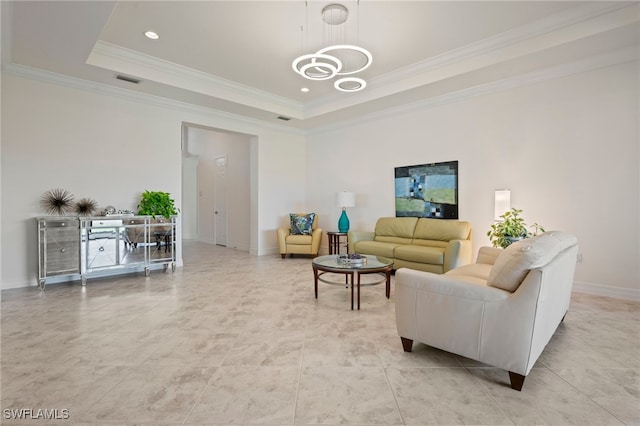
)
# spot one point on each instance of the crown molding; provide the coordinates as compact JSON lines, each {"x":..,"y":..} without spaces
{"x":620,"y":56}
{"x":104,"y":89}
{"x":575,"y":23}
{"x":120,"y":59}
{"x":613,"y":58}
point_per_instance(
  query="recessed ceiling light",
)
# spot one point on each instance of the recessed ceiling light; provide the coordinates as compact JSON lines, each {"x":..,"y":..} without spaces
{"x":304,"y":89}
{"x":152,"y":35}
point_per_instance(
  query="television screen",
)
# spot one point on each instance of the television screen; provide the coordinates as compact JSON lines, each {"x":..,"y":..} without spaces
{"x":427,"y":190}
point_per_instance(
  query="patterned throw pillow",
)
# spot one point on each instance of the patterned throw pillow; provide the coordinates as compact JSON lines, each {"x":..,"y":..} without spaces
{"x":301,"y":224}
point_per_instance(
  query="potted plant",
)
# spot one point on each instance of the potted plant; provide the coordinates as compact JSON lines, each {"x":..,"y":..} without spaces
{"x":510,"y":229}
{"x":157,"y":203}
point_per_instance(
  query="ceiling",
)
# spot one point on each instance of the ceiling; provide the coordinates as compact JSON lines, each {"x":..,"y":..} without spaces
{"x":235,"y":56}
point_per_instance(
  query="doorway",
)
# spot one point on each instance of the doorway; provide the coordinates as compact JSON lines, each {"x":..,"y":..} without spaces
{"x":220,"y":201}
{"x":220,"y":211}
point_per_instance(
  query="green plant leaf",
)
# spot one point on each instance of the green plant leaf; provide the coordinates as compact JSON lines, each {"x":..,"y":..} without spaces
{"x":157,"y":203}
{"x":512,"y":225}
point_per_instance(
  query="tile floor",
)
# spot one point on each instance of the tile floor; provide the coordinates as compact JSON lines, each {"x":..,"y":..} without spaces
{"x":239,"y":339}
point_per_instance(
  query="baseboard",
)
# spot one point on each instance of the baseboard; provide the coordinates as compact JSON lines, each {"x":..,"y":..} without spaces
{"x":265,"y":252}
{"x":607,"y":291}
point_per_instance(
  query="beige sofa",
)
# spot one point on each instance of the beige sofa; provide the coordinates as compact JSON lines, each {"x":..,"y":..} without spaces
{"x":432,"y":245}
{"x":501,"y":311}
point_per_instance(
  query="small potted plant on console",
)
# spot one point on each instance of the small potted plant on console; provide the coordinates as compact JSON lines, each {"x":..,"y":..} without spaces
{"x":157,"y":203}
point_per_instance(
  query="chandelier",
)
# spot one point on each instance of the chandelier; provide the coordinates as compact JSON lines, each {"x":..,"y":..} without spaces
{"x":338,"y":60}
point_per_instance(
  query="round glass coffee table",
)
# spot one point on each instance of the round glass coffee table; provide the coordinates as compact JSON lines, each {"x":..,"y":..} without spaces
{"x":371,"y":265}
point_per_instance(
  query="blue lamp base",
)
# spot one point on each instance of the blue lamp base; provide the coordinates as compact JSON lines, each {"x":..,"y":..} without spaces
{"x":343,"y":222}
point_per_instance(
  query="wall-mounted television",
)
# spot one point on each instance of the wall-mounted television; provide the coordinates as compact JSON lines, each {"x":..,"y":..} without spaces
{"x":427,"y":190}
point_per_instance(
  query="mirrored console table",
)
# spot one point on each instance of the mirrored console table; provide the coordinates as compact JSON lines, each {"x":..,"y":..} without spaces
{"x":81,"y":247}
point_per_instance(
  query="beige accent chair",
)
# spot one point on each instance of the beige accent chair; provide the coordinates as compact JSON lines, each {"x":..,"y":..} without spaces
{"x":289,"y":243}
{"x":501,"y":311}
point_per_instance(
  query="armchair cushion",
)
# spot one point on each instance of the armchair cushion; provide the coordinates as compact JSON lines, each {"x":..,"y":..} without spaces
{"x":301,"y":224}
{"x":512,"y":265}
{"x":295,"y":239}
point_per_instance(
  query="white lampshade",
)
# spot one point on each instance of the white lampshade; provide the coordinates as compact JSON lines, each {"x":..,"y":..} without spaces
{"x":502,"y":203}
{"x":345,"y":199}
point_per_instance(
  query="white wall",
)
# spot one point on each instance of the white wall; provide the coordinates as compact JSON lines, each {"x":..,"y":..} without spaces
{"x":189,"y":211}
{"x":282,"y":166}
{"x":567,"y":148}
{"x":111,"y":145}
{"x":207,"y":145}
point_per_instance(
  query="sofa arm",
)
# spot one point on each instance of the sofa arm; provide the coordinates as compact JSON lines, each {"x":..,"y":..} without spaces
{"x":457,"y":253}
{"x":355,"y":236}
{"x":316,"y":238}
{"x":488,"y":255}
{"x":448,"y":286}
{"x":425,"y":301}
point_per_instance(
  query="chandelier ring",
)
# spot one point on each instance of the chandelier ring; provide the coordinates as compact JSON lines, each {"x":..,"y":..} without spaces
{"x":327,"y":66}
{"x":358,"y":49}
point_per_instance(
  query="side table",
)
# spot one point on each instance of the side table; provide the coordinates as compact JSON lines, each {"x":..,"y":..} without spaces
{"x":334,"y":241}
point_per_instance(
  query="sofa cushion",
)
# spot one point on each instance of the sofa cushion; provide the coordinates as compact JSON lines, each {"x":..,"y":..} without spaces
{"x":376,"y":248}
{"x":393,"y":240}
{"x":513,"y":264}
{"x":421,"y":254}
{"x":480,"y":271}
{"x":398,"y":227}
{"x":301,"y":224}
{"x":430,"y":243}
{"x":441,"y":229}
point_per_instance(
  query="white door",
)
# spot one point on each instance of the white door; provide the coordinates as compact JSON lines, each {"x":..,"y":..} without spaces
{"x":220,"y":201}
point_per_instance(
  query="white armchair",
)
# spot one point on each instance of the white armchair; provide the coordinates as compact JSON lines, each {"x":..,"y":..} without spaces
{"x":501,"y":311}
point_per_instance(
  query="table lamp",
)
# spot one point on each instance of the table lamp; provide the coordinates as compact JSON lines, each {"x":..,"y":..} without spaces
{"x":344,"y":199}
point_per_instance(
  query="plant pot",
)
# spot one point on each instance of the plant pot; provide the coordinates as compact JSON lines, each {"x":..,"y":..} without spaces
{"x":512,"y":240}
